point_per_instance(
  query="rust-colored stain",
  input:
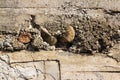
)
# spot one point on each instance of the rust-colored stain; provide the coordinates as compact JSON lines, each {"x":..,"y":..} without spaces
{"x":24,"y":37}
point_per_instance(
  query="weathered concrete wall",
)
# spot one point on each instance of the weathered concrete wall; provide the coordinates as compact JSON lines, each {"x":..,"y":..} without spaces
{"x":16,"y":15}
{"x":57,"y":65}
{"x":11,"y":9}
{"x":111,"y":4}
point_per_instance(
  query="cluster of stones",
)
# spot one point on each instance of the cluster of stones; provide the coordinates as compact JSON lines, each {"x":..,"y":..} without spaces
{"x":80,"y":35}
{"x":29,"y":38}
{"x":86,"y":34}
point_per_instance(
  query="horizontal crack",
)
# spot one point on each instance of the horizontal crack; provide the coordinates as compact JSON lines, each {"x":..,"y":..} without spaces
{"x":97,"y":71}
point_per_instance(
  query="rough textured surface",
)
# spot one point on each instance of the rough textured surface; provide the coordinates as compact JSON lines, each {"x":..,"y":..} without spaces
{"x":57,"y":65}
{"x":115,"y":52}
{"x":94,"y":27}
{"x":9,"y":73}
{"x":90,"y":34}
{"x":28,"y":70}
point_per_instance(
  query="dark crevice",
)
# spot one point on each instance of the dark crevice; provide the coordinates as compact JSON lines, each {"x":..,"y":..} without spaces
{"x":111,"y":12}
{"x":113,"y":58}
{"x":33,"y":22}
{"x":31,"y":47}
{"x":102,"y":45}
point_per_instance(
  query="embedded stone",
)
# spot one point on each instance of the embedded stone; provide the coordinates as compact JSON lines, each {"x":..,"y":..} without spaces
{"x":25,"y":37}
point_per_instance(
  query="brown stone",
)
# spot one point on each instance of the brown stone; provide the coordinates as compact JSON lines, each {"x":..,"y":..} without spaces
{"x":48,"y":37}
{"x":25,"y":37}
{"x":68,"y":35}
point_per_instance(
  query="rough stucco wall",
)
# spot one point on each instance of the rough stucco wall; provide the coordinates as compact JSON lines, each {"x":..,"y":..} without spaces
{"x":14,"y":12}
{"x":10,"y":9}
{"x":50,"y":65}
{"x":111,"y":4}
{"x":52,"y":13}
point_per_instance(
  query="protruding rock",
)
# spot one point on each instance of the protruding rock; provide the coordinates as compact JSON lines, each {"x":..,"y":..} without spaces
{"x":25,"y":37}
{"x":69,"y":35}
{"x":47,"y":47}
{"x":51,"y":40}
{"x":17,"y":45}
{"x":38,"y":42}
{"x":48,"y":37}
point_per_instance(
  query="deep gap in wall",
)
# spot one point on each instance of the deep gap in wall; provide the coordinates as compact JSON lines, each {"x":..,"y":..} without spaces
{"x":102,"y":45}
